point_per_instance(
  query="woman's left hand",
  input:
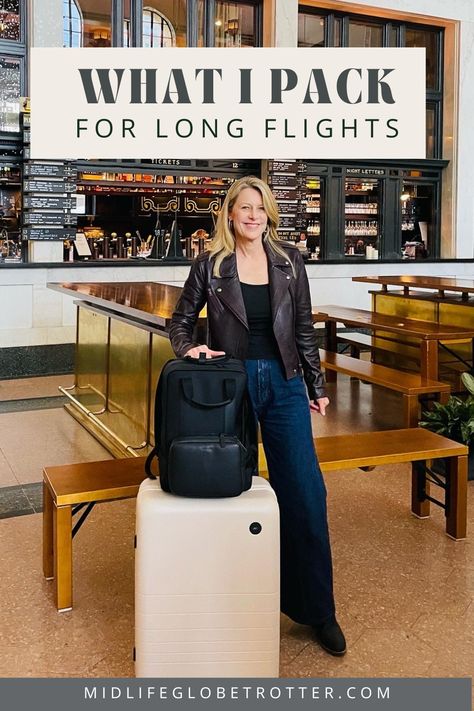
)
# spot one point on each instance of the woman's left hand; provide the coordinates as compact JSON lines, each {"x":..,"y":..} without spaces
{"x":321,"y":404}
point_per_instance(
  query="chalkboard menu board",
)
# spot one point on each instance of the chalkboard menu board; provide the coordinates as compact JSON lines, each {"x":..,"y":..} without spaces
{"x":48,"y":233}
{"x":287,"y":222}
{"x":282,"y":166}
{"x":48,"y":202}
{"x":48,"y":186}
{"x":287,"y":180}
{"x":47,"y":196}
{"x":287,"y":207}
{"x":50,"y":170}
{"x":48,"y":218}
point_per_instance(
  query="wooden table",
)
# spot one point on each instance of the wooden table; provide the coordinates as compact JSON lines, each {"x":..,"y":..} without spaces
{"x":443,"y":300}
{"x":429,"y":334}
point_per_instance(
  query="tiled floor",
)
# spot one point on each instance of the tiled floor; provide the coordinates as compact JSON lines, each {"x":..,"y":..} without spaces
{"x":34,"y":387}
{"x":405,"y":591}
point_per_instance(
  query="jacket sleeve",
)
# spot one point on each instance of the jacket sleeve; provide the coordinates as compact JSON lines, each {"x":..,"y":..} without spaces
{"x":306,"y":341}
{"x":190,"y":303}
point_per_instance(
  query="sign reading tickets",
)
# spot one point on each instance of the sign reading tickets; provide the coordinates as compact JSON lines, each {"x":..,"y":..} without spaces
{"x":310,"y":103}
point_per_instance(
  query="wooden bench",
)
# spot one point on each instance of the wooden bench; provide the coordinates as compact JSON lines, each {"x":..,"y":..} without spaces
{"x":68,"y":487}
{"x":68,"y":490}
{"x":366,"y":450}
{"x":410,"y":385}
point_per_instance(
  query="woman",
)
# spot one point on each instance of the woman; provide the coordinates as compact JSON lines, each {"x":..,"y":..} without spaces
{"x":259,"y":310}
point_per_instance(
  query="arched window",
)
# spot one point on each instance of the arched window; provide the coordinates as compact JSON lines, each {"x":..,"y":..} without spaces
{"x":72,"y":24}
{"x":157,"y":29}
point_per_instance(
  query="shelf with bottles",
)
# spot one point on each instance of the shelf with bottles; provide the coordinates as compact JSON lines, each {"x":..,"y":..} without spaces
{"x":147,"y":188}
{"x":361,"y":228}
{"x":10,"y":246}
{"x":361,"y":208}
{"x":144,"y":179}
{"x":408,"y":216}
{"x":356,"y":186}
{"x":311,"y":204}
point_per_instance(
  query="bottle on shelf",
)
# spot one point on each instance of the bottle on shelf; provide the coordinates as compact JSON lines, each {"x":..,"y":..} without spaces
{"x":127,"y":247}
{"x":113,"y":245}
{"x":106,"y":247}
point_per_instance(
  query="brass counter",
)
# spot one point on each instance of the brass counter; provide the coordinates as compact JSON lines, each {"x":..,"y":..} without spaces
{"x":122,"y":344}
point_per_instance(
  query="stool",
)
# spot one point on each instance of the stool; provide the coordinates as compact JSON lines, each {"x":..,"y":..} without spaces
{"x":69,"y":489}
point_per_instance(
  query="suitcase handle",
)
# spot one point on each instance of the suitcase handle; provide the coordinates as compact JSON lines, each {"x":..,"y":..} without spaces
{"x":229,"y":392}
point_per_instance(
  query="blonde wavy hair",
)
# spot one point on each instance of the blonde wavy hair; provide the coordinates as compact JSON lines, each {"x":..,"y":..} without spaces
{"x":223,"y":242}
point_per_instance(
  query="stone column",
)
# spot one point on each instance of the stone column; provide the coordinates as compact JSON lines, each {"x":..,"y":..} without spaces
{"x":45,"y":29}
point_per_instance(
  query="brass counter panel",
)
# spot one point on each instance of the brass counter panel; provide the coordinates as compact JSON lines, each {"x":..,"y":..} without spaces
{"x":458,"y":315}
{"x":400,"y":354}
{"x":121,"y":348}
{"x":429,"y":309}
{"x":129,"y":363}
{"x":91,"y":359}
{"x":161,"y":352}
{"x":112,"y":396}
{"x":405,"y":307}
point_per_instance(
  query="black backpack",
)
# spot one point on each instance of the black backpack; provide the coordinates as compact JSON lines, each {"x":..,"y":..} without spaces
{"x":205,"y":429}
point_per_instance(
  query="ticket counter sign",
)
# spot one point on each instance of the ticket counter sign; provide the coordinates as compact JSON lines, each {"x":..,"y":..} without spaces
{"x":189,"y":103}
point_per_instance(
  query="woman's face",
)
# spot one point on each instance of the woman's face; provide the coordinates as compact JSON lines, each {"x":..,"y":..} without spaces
{"x":248,"y":215}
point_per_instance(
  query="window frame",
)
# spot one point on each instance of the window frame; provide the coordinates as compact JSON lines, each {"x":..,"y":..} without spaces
{"x":16,"y":49}
{"x":136,"y":22}
{"x":81,"y":20}
{"x":23,"y":30}
{"x":434,"y":97}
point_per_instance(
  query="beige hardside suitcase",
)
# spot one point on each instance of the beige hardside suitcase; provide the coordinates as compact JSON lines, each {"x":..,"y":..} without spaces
{"x":207,"y":584}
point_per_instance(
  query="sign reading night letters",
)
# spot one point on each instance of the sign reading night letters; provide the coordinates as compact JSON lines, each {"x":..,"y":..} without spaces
{"x":182,"y":103}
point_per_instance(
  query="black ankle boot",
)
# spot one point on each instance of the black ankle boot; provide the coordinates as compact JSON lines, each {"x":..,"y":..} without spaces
{"x":330,"y":636}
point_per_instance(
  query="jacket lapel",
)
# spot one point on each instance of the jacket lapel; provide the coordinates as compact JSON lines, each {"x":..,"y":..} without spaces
{"x":228,"y":290}
{"x":280,"y":276}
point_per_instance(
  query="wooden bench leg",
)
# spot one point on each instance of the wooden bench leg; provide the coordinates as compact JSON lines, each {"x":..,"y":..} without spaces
{"x":444,"y":397}
{"x":410,"y":410}
{"x":62,"y":532}
{"x":429,"y":359}
{"x":420,"y":507}
{"x":456,"y":498}
{"x":48,"y":507}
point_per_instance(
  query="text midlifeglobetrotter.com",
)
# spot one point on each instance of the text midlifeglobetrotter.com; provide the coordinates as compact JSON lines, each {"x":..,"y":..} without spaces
{"x":251,"y":692}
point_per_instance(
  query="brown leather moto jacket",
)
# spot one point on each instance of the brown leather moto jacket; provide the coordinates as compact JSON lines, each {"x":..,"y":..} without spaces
{"x":227,"y":320}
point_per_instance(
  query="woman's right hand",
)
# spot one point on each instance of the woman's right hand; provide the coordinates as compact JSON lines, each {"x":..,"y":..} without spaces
{"x":194,"y":352}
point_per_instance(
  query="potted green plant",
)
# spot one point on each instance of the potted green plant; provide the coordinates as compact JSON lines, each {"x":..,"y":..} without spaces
{"x":455,"y":419}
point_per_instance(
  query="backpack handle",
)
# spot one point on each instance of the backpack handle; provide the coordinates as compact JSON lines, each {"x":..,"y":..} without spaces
{"x":229,"y":392}
{"x":202,"y":360}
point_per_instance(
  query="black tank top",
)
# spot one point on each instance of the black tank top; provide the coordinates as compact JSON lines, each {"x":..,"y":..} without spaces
{"x":262,"y":342}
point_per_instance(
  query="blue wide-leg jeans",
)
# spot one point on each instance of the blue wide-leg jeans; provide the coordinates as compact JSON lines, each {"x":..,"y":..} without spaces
{"x":282,"y":409}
